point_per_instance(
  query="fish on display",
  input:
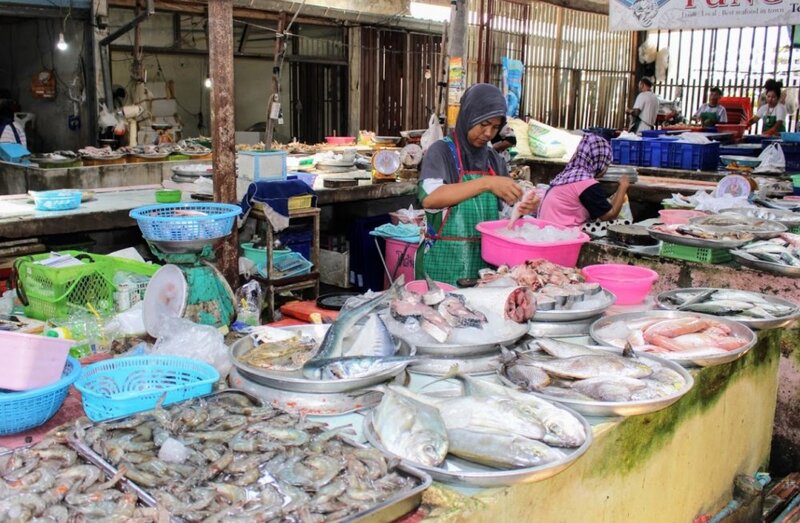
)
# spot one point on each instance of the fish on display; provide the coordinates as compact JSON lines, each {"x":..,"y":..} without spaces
{"x":435,"y":294}
{"x":724,"y":302}
{"x":408,"y":307}
{"x":782,"y":250}
{"x":352,"y":366}
{"x":373,"y":339}
{"x":281,"y":351}
{"x":511,"y":303}
{"x":500,"y":450}
{"x":455,"y":311}
{"x":525,"y":375}
{"x":411,"y":429}
{"x":703,"y":232}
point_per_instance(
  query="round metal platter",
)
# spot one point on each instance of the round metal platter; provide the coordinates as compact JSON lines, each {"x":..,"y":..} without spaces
{"x":294,"y":381}
{"x":785,"y":217}
{"x":52,"y":161}
{"x":105,"y":157}
{"x":748,"y":260}
{"x":563,"y":329}
{"x":662,"y":300}
{"x":305,"y":403}
{"x":760,"y":229}
{"x":151,"y":156}
{"x":619,"y":408}
{"x":196,"y":153}
{"x":426,"y":345}
{"x":691,"y":241}
{"x":185,"y":247}
{"x":575,"y":314}
{"x":710,"y":360}
{"x":456,"y":471}
{"x":480,"y":366}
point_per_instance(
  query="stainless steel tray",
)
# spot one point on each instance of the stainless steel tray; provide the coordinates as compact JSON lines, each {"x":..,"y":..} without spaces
{"x":478,"y":366}
{"x":702,"y":361}
{"x":295,"y":381}
{"x":748,"y":260}
{"x":563,"y":329}
{"x":456,"y":471}
{"x":310,"y":404}
{"x":764,"y":231}
{"x":512,"y":332}
{"x":385,"y":512}
{"x":691,"y":241}
{"x":620,"y":408}
{"x":753,"y":323}
{"x":574,"y":314}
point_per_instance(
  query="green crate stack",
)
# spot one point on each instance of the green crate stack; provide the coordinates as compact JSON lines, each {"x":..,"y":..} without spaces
{"x":695,"y":254}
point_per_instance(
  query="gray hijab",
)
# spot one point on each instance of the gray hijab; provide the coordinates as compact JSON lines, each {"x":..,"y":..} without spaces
{"x":479,"y":103}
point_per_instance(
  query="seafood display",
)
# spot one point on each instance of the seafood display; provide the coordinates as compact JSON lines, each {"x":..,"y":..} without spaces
{"x":149,"y":150}
{"x":700,"y":236}
{"x":751,"y":308}
{"x":100,"y":153}
{"x":279,"y":350}
{"x":683,"y":337}
{"x":534,"y":274}
{"x":191,"y":148}
{"x":758,"y":227}
{"x":225,"y":457}
{"x":47,"y":482}
{"x":594,"y":381}
{"x":532,"y":233}
{"x":781,"y":254}
{"x":487,"y":425}
{"x":787,"y":218}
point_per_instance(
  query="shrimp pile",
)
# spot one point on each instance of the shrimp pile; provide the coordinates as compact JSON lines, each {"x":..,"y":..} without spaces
{"x":225,"y":459}
{"x":47,"y":482}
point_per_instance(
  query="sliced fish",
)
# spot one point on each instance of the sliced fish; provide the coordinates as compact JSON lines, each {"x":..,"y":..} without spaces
{"x":373,"y":339}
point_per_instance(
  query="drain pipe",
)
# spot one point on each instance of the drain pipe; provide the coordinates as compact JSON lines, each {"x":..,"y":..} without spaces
{"x":747,"y":487}
{"x":105,"y":54}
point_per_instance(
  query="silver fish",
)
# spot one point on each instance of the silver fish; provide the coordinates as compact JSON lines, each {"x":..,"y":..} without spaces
{"x":609,"y":388}
{"x":331,"y":345}
{"x":595,"y":365}
{"x":501,"y":450}
{"x":411,"y":429}
{"x":751,"y":297}
{"x":562,"y":349}
{"x":435,"y":294}
{"x":351,"y":367}
{"x":527,"y":377}
{"x":719,"y":307}
{"x":373,"y":339}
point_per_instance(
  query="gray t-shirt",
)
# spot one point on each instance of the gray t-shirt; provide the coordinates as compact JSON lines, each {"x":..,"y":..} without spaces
{"x":647,"y":103}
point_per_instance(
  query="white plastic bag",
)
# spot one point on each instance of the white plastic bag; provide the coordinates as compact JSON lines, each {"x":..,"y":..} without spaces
{"x":433,"y":133}
{"x":200,"y":342}
{"x":106,"y":118}
{"x":772,"y":160}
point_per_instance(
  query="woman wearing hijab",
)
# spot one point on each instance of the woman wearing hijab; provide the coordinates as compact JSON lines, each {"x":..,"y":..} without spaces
{"x":462,"y":182}
{"x":575,"y":196}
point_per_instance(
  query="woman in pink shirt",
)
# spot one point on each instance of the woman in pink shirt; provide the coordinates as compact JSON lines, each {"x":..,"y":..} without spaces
{"x":575,"y":196}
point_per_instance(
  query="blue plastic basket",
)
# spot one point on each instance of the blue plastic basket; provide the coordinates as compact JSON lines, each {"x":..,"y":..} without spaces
{"x":61,"y":200}
{"x":286,"y":266}
{"x":21,"y":411}
{"x":124,"y":386}
{"x":186,"y":221}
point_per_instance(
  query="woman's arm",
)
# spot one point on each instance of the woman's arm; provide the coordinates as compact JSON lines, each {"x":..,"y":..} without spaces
{"x":451,"y":194}
{"x":619,"y":199}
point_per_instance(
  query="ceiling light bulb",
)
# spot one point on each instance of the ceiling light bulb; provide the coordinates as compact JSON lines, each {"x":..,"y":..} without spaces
{"x":207,"y":83}
{"x":62,"y":44}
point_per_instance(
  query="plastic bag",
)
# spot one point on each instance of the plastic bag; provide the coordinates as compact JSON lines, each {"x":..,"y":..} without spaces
{"x":128,"y":323}
{"x":200,"y":342}
{"x":772,"y":160}
{"x":543,"y":142}
{"x":512,"y":84}
{"x":106,"y":118}
{"x":433,"y":133}
{"x":249,"y":301}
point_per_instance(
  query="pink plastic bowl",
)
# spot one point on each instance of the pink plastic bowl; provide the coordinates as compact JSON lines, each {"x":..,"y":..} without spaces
{"x":31,"y":361}
{"x":678,"y":216}
{"x":421,"y":286}
{"x":341,"y":140}
{"x":498,"y":249}
{"x":629,"y":283}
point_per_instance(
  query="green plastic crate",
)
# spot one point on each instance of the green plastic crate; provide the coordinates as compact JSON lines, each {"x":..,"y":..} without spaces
{"x":795,"y":229}
{"x":695,"y":254}
{"x":53,"y":293}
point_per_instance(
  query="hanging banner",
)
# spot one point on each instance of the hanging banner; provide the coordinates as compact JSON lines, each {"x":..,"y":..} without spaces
{"x":643,"y":15}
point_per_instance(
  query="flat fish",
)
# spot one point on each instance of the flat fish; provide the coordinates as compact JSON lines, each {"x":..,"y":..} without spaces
{"x":373,"y":340}
{"x":527,"y":377}
{"x":562,"y":349}
{"x":501,"y":450}
{"x":610,"y":388}
{"x":592,"y":366}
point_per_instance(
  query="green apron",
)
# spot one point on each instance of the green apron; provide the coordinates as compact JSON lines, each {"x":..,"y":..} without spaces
{"x":452,"y":247}
{"x":770,"y":121}
{"x":708,"y":118}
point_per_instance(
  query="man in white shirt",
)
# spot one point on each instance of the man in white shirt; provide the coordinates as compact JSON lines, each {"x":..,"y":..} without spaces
{"x":10,"y":131}
{"x":711,"y":113}
{"x":645,"y":108}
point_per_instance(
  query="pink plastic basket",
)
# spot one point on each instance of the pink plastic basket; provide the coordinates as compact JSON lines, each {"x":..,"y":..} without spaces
{"x":341,"y":140}
{"x":421,"y":286}
{"x":498,"y":249}
{"x":678,"y":216}
{"x":629,"y":283}
{"x":31,"y":361}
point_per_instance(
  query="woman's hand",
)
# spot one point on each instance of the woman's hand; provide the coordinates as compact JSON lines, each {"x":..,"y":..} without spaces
{"x":528,"y":206}
{"x":504,"y":188}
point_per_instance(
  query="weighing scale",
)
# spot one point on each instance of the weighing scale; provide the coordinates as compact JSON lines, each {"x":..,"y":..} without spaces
{"x":385,"y":164}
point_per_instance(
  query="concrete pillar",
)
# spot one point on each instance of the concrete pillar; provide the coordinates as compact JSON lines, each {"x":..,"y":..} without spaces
{"x":354,"y":73}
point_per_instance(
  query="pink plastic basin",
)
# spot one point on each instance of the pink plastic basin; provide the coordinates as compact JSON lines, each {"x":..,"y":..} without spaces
{"x":629,"y":283}
{"x":421,"y":286}
{"x":31,"y":361}
{"x":678,"y":216}
{"x":498,"y":249}
{"x":340,"y":140}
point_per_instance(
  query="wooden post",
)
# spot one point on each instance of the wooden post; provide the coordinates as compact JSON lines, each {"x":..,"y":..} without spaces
{"x":280,"y":49}
{"x":220,"y":59}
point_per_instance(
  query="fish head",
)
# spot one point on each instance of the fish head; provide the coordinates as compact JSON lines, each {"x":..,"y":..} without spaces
{"x":563,"y":428}
{"x":428,"y":446}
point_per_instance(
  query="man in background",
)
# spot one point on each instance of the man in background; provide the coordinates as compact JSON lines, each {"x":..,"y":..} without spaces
{"x":645,"y":108}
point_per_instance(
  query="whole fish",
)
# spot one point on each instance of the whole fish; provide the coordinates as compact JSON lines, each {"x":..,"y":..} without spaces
{"x":331,"y":345}
{"x":719,"y":307}
{"x":373,"y":339}
{"x":610,"y":388}
{"x":496,"y":449}
{"x":527,"y":197}
{"x":527,"y":377}
{"x":411,"y":429}
{"x":595,"y":365}
{"x":351,"y":367}
{"x":562,"y":349}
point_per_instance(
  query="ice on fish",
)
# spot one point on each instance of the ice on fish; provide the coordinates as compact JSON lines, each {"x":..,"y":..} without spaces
{"x":532,"y":233}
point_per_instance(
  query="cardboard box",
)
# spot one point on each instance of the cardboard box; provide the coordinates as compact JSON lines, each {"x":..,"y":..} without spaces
{"x":334,"y":268}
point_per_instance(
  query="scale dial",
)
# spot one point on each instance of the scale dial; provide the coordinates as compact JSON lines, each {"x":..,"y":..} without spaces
{"x":386,"y":162}
{"x":411,"y":155}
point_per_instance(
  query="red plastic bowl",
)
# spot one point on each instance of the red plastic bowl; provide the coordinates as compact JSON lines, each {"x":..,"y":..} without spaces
{"x":629,"y":283}
{"x":341,"y":140}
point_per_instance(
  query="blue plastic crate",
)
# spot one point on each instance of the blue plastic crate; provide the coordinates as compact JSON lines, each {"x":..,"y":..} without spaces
{"x":185,"y":221}
{"x":628,"y":152}
{"x":733,"y":150}
{"x":656,"y":152}
{"x":693,"y":157}
{"x":123,"y":386}
{"x":59,"y":200}
{"x":286,"y":266}
{"x":791,"y":153}
{"x":653,"y":133}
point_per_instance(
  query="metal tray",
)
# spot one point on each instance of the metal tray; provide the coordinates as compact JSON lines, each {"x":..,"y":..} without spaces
{"x":574,"y":314}
{"x":105,"y":157}
{"x":753,"y":323}
{"x":765,"y":231}
{"x":479,"y":366}
{"x":748,"y":260}
{"x":691,"y":241}
{"x":305,"y":403}
{"x":456,"y":471}
{"x":384,"y":512}
{"x":785,"y":217}
{"x":701,"y":361}
{"x":190,"y":246}
{"x":295,"y":381}
{"x":563,"y":329}
{"x":619,"y":408}
{"x":515,"y":331}
{"x":151,"y":156}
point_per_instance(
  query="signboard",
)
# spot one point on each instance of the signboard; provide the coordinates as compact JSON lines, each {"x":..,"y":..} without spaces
{"x":643,"y":15}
